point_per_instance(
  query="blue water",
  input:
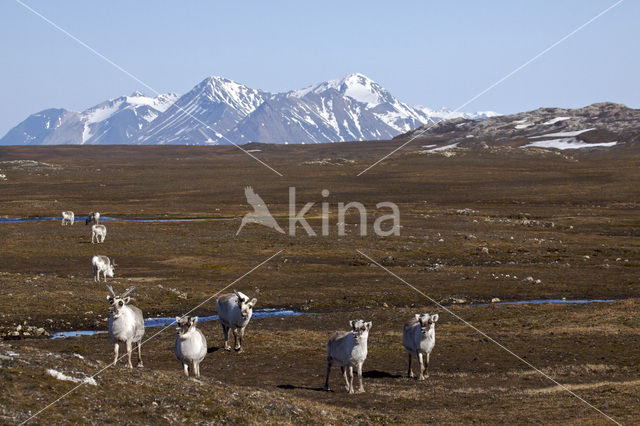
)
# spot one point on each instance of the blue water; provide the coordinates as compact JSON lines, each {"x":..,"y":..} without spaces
{"x":105,"y":218}
{"x":164,"y":321}
{"x":552,"y":301}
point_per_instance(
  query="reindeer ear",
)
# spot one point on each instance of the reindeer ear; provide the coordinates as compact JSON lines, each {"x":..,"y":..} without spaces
{"x":177,"y":320}
{"x":110,"y":299}
{"x":417,"y":317}
{"x":352,"y":324}
{"x":194,"y":320}
{"x":253,"y":302}
{"x":368,"y":325}
{"x":435,"y":317}
{"x":127,"y":299}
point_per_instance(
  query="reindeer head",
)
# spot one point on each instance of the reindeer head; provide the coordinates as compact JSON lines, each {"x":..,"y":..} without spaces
{"x":246,"y":305}
{"x":360,"y":328}
{"x":185,"y":325}
{"x":427,"y":322}
{"x":117,"y":303}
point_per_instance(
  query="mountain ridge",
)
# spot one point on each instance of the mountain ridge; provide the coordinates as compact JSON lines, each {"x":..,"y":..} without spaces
{"x":218,"y":110}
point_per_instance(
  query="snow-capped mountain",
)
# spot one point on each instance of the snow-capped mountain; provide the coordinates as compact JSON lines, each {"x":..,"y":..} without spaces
{"x":111,"y":122}
{"x":221,"y":111}
{"x":208,"y":111}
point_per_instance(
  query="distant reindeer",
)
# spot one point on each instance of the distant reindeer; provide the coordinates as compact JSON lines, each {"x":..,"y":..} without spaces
{"x":92,"y":217}
{"x":235,"y":310}
{"x":419,"y":338}
{"x":191,"y":345}
{"x":348,"y":349}
{"x":68,"y":218}
{"x":126,"y":324}
{"x":100,"y":263}
{"x":98,"y":233}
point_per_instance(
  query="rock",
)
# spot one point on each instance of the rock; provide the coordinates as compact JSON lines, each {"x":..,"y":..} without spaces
{"x":495,"y":300}
{"x":484,"y":250}
{"x":40,"y":331}
{"x":538,"y":281}
{"x":459,"y":301}
{"x":529,"y":279}
{"x":385,"y":305}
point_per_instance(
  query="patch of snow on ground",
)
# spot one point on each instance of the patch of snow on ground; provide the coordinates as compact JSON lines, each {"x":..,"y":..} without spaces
{"x":555,"y":120}
{"x":61,"y":376}
{"x":520,"y":121}
{"x":3,"y":176}
{"x":567,"y":143}
{"x":562,"y":134}
{"x":445,"y":147}
{"x":523,"y":126}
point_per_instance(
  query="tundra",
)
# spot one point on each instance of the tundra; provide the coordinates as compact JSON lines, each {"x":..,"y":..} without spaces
{"x":191,"y":345}
{"x":235,"y":310}
{"x":126,"y":324}
{"x":419,"y":338}
{"x":102,"y":264}
{"x":348,"y":349}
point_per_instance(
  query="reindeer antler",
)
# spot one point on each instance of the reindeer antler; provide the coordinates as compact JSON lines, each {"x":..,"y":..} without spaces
{"x":111,"y":290}
{"x":127,"y":291}
{"x":256,"y":293}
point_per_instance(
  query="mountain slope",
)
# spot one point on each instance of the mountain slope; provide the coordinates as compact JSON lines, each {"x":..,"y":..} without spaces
{"x":600,"y":125}
{"x":111,"y":122}
{"x":221,"y":111}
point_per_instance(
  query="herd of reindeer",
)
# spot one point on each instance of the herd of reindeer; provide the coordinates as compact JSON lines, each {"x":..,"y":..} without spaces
{"x":347,"y":349}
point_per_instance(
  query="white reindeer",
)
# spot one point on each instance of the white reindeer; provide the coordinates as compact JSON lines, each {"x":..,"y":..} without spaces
{"x":419,"y":338}
{"x":235,"y":310}
{"x":98,"y":233}
{"x":348,"y":349}
{"x":100,"y":263}
{"x":191,"y":345}
{"x":92,"y":217}
{"x":126,"y":324}
{"x":68,"y":218}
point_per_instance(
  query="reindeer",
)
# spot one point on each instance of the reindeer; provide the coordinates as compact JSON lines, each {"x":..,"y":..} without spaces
{"x":126,"y":324}
{"x":191,"y":345}
{"x":235,"y":310}
{"x":348,"y":349}
{"x":419,"y":338}
{"x":98,"y":233}
{"x":92,"y":217}
{"x":68,"y":218}
{"x":101,"y":263}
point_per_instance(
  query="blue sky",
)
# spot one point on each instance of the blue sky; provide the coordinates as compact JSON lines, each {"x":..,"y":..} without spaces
{"x":432,"y":53}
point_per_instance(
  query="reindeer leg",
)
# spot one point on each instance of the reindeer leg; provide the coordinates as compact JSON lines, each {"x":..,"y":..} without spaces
{"x":409,"y":370}
{"x":185,"y":368}
{"x":196,"y":368}
{"x":129,"y":354}
{"x":344,"y":376}
{"x":236,"y":341}
{"x":350,"y":374}
{"x":140,"y":364}
{"x":326,"y":381}
{"x":421,"y":366}
{"x":240,"y":336}
{"x":426,"y":366}
{"x":116,"y":349}
{"x":225,"y":335}
{"x":361,"y":387}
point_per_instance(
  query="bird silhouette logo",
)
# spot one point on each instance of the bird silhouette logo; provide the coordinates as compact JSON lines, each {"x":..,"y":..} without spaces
{"x":260,"y":213}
